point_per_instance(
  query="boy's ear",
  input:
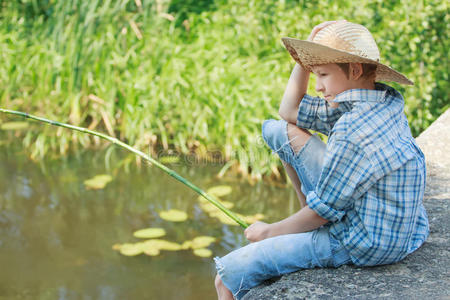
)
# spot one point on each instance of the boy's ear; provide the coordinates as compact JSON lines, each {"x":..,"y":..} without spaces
{"x":355,"y":70}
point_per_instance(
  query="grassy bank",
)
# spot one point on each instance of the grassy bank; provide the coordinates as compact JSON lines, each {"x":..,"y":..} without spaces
{"x":193,"y":76}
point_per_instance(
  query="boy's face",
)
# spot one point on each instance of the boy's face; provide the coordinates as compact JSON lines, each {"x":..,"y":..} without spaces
{"x":330,"y":81}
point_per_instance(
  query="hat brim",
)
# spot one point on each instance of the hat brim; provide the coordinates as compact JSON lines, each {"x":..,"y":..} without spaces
{"x":308,"y":53}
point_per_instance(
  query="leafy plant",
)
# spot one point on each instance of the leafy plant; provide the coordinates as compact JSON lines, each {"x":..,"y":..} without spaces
{"x":204,"y":87}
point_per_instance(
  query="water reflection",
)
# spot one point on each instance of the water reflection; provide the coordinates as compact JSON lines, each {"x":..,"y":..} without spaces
{"x":56,"y":236}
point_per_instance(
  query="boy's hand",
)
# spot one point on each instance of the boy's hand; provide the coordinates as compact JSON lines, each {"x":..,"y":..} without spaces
{"x":257,"y":231}
{"x":321,"y":26}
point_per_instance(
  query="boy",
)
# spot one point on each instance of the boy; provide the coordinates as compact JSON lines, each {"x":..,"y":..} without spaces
{"x":361,"y":194}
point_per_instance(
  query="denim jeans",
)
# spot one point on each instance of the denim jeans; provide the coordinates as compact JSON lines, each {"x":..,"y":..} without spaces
{"x":249,"y":266}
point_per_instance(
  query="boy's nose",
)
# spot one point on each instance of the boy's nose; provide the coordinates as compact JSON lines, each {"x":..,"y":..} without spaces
{"x":319,"y":87}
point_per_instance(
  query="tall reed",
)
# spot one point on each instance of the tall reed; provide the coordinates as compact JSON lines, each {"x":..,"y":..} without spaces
{"x":136,"y":70}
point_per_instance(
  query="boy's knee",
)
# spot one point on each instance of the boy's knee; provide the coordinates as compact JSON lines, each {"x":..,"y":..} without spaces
{"x":297,"y":137}
{"x":277,"y":133}
{"x":272,"y":133}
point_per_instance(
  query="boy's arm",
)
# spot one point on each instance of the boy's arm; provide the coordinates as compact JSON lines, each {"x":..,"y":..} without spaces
{"x":302,"y":221}
{"x":298,"y":84}
{"x":295,"y":90}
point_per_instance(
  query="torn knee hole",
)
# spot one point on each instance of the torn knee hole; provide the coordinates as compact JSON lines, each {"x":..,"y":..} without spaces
{"x":297,"y":137}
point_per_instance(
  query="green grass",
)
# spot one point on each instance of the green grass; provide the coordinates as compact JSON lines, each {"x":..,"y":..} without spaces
{"x":198,"y":86}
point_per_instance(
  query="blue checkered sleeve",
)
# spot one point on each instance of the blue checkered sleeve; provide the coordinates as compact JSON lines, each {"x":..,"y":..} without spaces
{"x":315,"y":113}
{"x":346,"y":175}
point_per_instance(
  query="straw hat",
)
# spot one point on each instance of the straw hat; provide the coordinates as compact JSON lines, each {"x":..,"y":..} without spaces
{"x":342,"y":42}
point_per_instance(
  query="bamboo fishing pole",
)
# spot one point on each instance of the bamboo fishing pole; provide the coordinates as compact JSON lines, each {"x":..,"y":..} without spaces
{"x":138,"y":153}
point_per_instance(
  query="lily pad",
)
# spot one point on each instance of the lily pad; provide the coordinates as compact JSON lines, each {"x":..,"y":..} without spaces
{"x":227,"y":204}
{"x":186,"y":245}
{"x":220,"y":190}
{"x":150,"y":233}
{"x":198,"y":242}
{"x":209,"y":207}
{"x":253,"y":218}
{"x":173,"y":215}
{"x":203,"y":252}
{"x":202,"y":242}
{"x":169,"y":159}
{"x":150,"y":247}
{"x":223,"y":218}
{"x":14,"y":125}
{"x":161,"y":245}
{"x":131,"y":249}
{"x":97,"y":182}
{"x":151,"y":251}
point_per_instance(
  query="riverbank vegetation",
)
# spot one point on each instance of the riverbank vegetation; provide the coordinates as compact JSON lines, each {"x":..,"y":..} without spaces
{"x":193,"y":77}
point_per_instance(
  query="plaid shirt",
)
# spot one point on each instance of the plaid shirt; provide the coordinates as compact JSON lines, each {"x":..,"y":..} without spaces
{"x":373,"y":177}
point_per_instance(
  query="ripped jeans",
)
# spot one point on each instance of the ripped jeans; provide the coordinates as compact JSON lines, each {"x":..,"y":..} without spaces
{"x":249,"y":266}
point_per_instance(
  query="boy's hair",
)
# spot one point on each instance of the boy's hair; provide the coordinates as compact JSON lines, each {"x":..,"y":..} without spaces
{"x":368,"y":69}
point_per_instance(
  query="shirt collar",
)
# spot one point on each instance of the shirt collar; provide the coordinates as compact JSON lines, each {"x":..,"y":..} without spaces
{"x":365,"y":95}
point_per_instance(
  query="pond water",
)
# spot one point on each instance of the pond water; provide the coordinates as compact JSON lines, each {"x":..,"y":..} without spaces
{"x":56,"y":236}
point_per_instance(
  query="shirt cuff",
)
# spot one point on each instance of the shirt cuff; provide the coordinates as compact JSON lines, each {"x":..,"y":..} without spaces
{"x":323,"y":210}
{"x":307,"y":111}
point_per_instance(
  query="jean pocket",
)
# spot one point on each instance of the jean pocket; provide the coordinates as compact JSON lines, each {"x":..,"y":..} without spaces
{"x":340,"y":254}
{"x":322,"y":247}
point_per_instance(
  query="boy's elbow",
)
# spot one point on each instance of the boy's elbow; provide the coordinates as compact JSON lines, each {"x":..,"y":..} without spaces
{"x":281,"y":113}
{"x":287,"y":116}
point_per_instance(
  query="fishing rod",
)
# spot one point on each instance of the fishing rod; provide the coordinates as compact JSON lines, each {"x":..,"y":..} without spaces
{"x":138,"y":153}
